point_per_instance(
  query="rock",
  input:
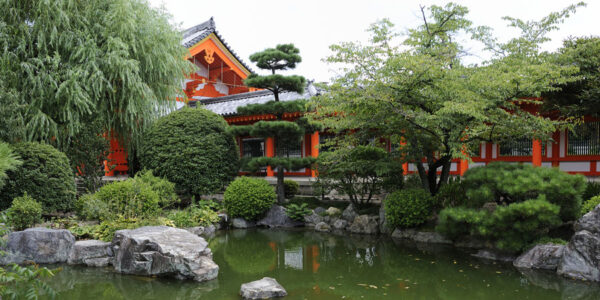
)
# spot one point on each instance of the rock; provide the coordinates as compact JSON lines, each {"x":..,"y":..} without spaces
{"x":333,"y":211}
{"x":349,"y":213}
{"x":546,"y":257}
{"x":91,"y":252}
{"x":40,"y":245}
{"x":589,"y":221}
{"x":265,"y":288}
{"x":223,"y":221}
{"x":581,"y":257}
{"x":313,"y":219}
{"x":383,"y":228}
{"x":470,"y":242}
{"x":210,"y":230}
{"x":320,"y":210}
{"x":323,"y":227}
{"x":163,"y":251}
{"x":340,"y":224}
{"x":276,"y":217}
{"x":430,"y":237}
{"x":241,"y":223}
{"x":365,"y":224}
{"x":492,"y":255}
{"x":202,"y":231}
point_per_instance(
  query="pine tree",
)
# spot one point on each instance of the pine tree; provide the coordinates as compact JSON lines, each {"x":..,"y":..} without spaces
{"x":284,"y":131}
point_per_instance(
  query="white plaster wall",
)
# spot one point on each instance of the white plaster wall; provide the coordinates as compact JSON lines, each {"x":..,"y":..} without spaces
{"x":549,"y":149}
{"x":574,"y":166}
{"x":476,"y":164}
{"x":563,"y":140}
{"x":482,"y":147}
{"x":494,"y":150}
{"x":547,"y":164}
{"x":453,"y":167}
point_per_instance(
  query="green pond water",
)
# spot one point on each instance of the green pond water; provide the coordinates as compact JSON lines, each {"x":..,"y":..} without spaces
{"x":311,"y":265}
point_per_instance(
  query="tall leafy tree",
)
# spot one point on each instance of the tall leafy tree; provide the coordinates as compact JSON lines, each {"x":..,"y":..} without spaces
{"x":283,"y":130}
{"x":66,"y":61}
{"x":421,"y":94}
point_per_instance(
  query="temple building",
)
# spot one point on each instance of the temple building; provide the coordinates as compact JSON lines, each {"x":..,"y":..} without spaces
{"x":218,"y":86}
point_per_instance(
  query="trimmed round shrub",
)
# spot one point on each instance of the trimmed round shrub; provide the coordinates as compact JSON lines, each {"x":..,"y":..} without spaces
{"x":248,"y":198}
{"x":590,"y":204}
{"x":290,"y":188}
{"x":89,"y":207}
{"x":408,"y":208}
{"x":193,"y":149}
{"x":457,"y":222}
{"x":44,"y":175}
{"x":24,"y":212}
{"x":130,"y":199}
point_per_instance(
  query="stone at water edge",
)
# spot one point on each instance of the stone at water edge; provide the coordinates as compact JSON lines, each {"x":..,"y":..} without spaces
{"x":430,"y":237}
{"x":265,"y":288}
{"x":92,"y":253}
{"x":333,"y":211}
{"x":163,"y":251}
{"x":312,"y":219}
{"x":241,"y":223}
{"x":340,"y":224}
{"x":277,"y":217}
{"x":545,"y":257}
{"x":383,"y":227}
{"x":319,"y":210}
{"x":581,"y":257}
{"x":40,"y":245}
{"x":322,"y":227}
{"x":349,"y":213}
{"x":493,"y":255}
{"x":365,"y":224}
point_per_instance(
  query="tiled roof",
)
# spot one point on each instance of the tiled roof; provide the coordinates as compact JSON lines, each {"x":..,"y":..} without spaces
{"x":227,"y":105}
{"x":194,"y":34}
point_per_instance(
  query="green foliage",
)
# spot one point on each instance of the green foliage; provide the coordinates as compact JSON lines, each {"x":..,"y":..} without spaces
{"x":282,"y":57}
{"x":288,"y":163}
{"x":248,"y":198}
{"x":44,"y":175}
{"x":590,"y":204}
{"x":287,"y":132}
{"x":193,"y":216}
{"x":549,"y":240}
{"x":297,"y":212}
{"x":457,"y":222}
{"x":129,"y":199}
{"x":163,"y":188}
{"x":592,"y":189}
{"x":359,"y":172}
{"x":87,"y":151}
{"x":515,"y":226}
{"x":508,"y":183}
{"x":18,"y":282}
{"x":273,"y":108}
{"x":423,"y":94}
{"x":90,"y":207}
{"x":408,"y":208}
{"x":291,"y":188}
{"x":24,"y":212}
{"x":452,"y":194}
{"x":8,"y":162}
{"x":193,"y":149}
{"x":105,"y":231}
{"x":68,"y":60}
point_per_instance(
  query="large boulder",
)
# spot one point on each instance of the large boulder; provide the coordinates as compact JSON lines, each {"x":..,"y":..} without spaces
{"x":349,"y":213}
{"x":92,"y":253}
{"x":163,"y":251}
{"x":202,"y":231}
{"x":276,"y":217}
{"x":340,"y":224}
{"x":589,"y":221}
{"x":333,"y":211}
{"x":265,"y":288}
{"x":365,"y":224}
{"x":383,"y":227}
{"x":242,"y":223}
{"x":323,"y":227}
{"x":313,"y":219}
{"x":581,"y":257}
{"x":40,"y":245}
{"x":545,"y":257}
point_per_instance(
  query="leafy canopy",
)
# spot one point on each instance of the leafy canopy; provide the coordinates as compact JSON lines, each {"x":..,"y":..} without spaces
{"x":65,"y":60}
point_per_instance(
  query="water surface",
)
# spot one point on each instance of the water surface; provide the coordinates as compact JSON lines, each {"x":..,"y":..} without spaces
{"x":317,"y":266}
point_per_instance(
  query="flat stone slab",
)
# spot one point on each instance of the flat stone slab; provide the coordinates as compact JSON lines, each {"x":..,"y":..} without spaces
{"x":265,"y":288}
{"x":40,"y":245}
{"x":544,"y":257}
{"x":241,"y":223}
{"x":163,"y":251}
{"x":91,"y":252}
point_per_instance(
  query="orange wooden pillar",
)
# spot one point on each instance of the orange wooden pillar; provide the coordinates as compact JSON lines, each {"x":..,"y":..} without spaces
{"x":270,"y":145}
{"x":536,"y":150}
{"x":404,"y":165}
{"x":314,"y":149}
{"x":463,"y":166}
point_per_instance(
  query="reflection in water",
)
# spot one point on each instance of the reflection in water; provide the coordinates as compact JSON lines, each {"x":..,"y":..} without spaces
{"x":320,"y":266}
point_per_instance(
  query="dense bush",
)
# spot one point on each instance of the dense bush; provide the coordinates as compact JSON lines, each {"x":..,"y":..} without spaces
{"x":592,"y":189}
{"x":248,"y":198}
{"x":590,"y":204}
{"x":408,"y":208}
{"x":515,"y":226}
{"x":105,"y":231}
{"x":193,"y":216}
{"x":164,"y":188}
{"x":360,"y":172}
{"x":193,"y":149}
{"x":507,"y":183}
{"x":457,"y":222}
{"x":129,"y":198}
{"x":452,"y":194}
{"x":45,"y":175}
{"x":24,"y":212}
{"x":290,"y":188}
{"x":297,"y":212}
{"x":89,"y":207}
{"x":8,"y":161}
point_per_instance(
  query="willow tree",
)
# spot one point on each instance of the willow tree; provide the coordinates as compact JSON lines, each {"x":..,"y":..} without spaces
{"x":284,"y":131}
{"x":66,"y":61}
{"x":419,"y":92}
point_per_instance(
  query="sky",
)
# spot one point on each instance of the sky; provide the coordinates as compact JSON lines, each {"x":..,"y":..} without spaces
{"x":314,"y":25}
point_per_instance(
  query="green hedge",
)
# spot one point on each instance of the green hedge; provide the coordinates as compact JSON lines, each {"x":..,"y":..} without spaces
{"x":44,"y":175}
{"x":193,"y":149}
{"x":248,"y":198}
{"x":24,"y":212}
{"x":408,"y":208}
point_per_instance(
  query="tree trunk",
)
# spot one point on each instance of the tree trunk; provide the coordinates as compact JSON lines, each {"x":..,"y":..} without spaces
{"x":280,"y":185}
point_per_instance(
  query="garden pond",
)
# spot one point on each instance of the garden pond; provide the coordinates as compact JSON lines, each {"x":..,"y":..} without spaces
{"x":311,"y":265}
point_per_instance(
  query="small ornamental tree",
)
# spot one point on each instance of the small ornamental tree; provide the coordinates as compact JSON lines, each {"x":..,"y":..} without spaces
{"x":285,"y":132}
